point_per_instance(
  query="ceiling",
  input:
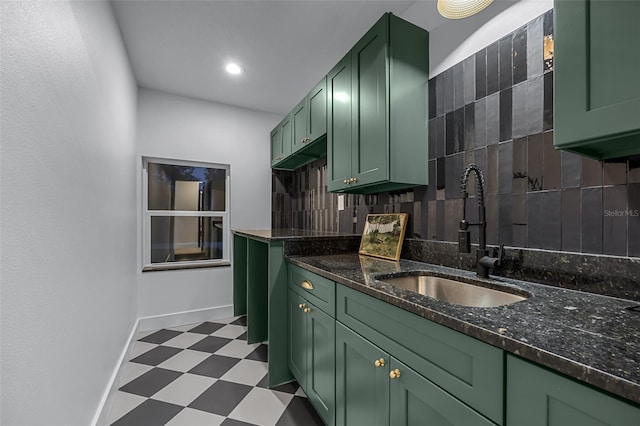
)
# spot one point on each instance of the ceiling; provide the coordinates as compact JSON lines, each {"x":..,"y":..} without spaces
{"x":285,"y":47}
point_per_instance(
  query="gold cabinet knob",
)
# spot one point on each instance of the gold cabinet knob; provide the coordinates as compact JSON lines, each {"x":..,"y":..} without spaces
{"x":345,"y":181}
{"x":379,"y":362}
{"x":307,"y":310}
{"x":394,"y":374}
{"x":302,"y":305}
{"x":353,"y":180}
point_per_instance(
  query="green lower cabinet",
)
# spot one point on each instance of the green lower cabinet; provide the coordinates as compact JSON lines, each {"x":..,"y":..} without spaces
{"x":375,"y":389}
{"x":311,"y":354}
{"x":539,"y":397}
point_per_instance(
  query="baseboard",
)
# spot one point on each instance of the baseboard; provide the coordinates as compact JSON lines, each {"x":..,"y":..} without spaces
{"x":106,"y":402}
{"x":183,"y":318}
{"x":147,"y":324}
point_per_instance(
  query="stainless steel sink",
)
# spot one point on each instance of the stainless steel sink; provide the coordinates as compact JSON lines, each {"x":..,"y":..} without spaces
{"x":455,"y":292}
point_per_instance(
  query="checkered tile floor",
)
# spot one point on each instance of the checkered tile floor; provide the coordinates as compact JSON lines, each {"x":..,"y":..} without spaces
{"x":205,"y":374}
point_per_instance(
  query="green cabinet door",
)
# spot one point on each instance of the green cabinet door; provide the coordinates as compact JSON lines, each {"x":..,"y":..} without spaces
{"x":415,"y":400}
{"x":362,"y":388}
{"x":339,"y":125}
{"x":297,"y":338}
{"x":276,"y":145}
{"x":369,"y":141}
{"x":281,"y":137}
{"x":317,"y":111}
{"x":596,"y":87}
{"x":321,"y":363}
{"x":539,"y":397}
{"x":299,"y":122}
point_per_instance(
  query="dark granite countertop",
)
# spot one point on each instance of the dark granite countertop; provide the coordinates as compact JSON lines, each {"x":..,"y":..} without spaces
{"x":589,"y":337}
{"x":287,"y":234}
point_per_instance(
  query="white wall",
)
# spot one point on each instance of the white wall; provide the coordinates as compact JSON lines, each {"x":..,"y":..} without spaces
{"x":454,"y":40}
{"x":182,"y":128}
{"x":68,"y":211}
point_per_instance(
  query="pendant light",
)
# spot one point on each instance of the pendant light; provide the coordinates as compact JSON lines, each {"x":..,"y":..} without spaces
{"x":458,"y":9}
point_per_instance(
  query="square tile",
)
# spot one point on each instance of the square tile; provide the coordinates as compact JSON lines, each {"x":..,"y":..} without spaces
{"x":262,"y":407}
{"x":184,"y":340}
{"x":191,"y":417}
{"x":156,"y":355}
{"x":261,"y":353}
{"x":232,"y":422}
{"x":243,"y":336}
{"x":237,"y":349}
{"x":206,"y":328}
{"x":247,"y":372}
{"x":210,"y":344}
{"x":240,"y":321}
{"x":132,"y":371}
{"x":214,"y":366}
{"x":299,"y":412}
{"x":149,"y":413}
{"x":184,"y":389}
{"x":185,"y":360}
{"x":183,"y":328}
{"x":160,"y":336}
{"x":123,"y":402}
{"x":221,"y":398}
{"x":141,"y":347}
{"x":151,"y":382}
{"x":230,"y":331}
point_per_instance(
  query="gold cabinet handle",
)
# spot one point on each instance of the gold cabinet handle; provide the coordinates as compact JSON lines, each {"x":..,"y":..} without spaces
{"x":394,"y":374}
{"x":379,"y":362}
{"x":302,"y":306}
{"x":307,"y":310}
{"x":306,"y":285}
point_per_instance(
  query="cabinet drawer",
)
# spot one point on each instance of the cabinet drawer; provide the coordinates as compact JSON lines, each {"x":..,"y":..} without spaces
{"x":316,"y":289}
{"x":470,"y":370}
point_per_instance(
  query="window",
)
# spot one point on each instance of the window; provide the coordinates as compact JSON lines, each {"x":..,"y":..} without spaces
{"x":185,"y":209}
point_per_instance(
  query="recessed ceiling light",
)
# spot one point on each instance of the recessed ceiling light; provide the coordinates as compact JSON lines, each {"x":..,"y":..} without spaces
{"x":458,"y":9}
{"x":233,"y":68}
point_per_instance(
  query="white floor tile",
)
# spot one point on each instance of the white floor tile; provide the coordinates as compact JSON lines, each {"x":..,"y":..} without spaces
{"x":184,"y":389}
{"x":191,"y":417}
{"x":226,"y":320}
{"x":185,"y":360}
{"x":301,"y":393}
{"x":141,"y":347}
{"x":237,"y":349}
{"x":230,"y":331}
{"x":261,"y":407}
{"x":247,"y":372}
{"x":123,"y":403}
{"x":144,"y":334}
{"x":133,"y":370}
{"x":184,"y":340}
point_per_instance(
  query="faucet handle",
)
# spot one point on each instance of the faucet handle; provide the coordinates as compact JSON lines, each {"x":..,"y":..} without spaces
{"x":498,"y":253}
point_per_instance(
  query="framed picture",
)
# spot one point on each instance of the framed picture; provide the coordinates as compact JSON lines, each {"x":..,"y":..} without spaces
{"x":383,"y":235}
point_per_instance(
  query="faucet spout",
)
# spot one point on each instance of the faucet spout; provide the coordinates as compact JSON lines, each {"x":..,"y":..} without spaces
{"x":483,"y":261}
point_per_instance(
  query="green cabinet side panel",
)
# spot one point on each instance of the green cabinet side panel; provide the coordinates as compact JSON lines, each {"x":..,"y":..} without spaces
{"x":297,"y":339}
{"x":239,"y":275}
{"x":539,"y":397}
{"x":277,"y":312}
{"x":362,"y":389}
{"x":408,"y":102}
{"x":339,"y":125}
{"x":596,"y":86}
{"x":317,"y":111}
{"x":414,"y":400}
{"x":323,"y":293}
{"x":320,"y":384}
{"x":470,"y":370}
{"x":369,"y":141}
{"x":257,"y":283}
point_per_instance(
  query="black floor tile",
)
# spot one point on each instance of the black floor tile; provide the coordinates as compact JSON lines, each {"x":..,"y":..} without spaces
{"x":215,"y":366}
{"x":210,"y":344}
{"x":149,"y":413}
{"x":240,"y":321}
{"x":151,"y":382}
{"x":232,"y":422}
{"x":221,"y":398}
{"x":156,"y":355}
{"x":207,"y":328}
{"x":160,"y":336}
{"x":299,"y":412}
{"x":259,"y":354}
{"x":243,"y":336}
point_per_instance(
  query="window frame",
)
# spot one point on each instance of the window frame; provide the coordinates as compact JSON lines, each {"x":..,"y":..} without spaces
{"x":147,"y":214}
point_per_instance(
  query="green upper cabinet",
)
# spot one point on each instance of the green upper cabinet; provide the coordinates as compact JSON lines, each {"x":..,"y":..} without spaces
{"x":597,"y":89}
{"x":539,"y":397}
{"x":281,"y":140}
{"x":377,"y":111}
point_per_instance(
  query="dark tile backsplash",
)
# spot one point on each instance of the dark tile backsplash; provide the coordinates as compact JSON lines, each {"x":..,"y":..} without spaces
{"x":495,"y":108}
